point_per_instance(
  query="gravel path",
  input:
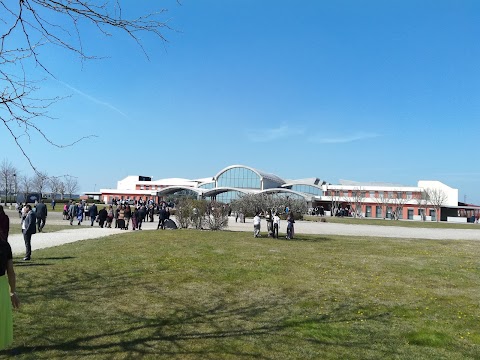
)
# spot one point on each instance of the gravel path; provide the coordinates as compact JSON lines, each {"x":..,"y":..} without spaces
{"x":86,"y":232}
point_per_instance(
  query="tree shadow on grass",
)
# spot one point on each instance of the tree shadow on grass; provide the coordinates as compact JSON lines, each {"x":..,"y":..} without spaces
{"x":309,"y":238}
{"x":216,"y":330}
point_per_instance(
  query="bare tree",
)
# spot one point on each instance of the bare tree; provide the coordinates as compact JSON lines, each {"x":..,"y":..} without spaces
{"x":62,"y":190}
{"x":217,"y":216}
{"x":40,"y":181}
{"x":383,"y":201}
{"x":422,"y":199}
{"x":398,"y":203}
{"x":55,"y":184}
{"x":31,"y":25}
{"x":437,"y":198}
{"x":334,"y":201}
{"x":71,"y":185}
{"x":26,"y":185}
{"x":355,"y":201}
{"x":7,"y":177}
{"x":277,"y":203}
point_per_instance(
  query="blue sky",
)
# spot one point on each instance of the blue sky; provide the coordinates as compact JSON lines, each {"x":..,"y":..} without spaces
{"x":367,"y":91}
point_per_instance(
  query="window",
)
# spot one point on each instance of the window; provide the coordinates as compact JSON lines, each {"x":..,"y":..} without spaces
{"x":372,"y":194}
{"x":368,"y":211}
{"x":410,"y":214}
{"x":389,"y":212}
{"x":308,"y":189}
{"x":378,"y":211}
{"x":240,"y":178}
{"x":409,"y":194}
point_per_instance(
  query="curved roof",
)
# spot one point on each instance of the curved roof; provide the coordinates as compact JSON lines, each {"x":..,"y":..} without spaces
{"x":173,"y":189}
{"x":260,"y":173}
{"x":286,"y":191}
{"x":220,"y":190}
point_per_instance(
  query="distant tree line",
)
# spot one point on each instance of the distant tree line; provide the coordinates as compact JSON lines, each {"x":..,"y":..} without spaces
{"x":13,"y":182}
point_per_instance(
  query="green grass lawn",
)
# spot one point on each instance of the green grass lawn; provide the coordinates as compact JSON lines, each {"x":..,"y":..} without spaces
{"x":17,"y":228}
{"x":403,"y":223}
{"x":190,"y":294}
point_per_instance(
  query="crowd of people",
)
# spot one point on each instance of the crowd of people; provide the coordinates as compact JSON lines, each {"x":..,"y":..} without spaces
{"x":119,"y":215}
{"x":273,"y":224}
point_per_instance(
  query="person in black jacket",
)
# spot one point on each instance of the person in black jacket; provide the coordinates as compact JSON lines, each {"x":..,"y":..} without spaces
{"x":41,"y":213}
{"x":93,"y":212}
{"x":162,"y":216}
{"x":102,"y":217}
{"x":28,"y":228}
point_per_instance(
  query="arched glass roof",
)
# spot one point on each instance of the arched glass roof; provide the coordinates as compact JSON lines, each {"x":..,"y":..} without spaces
{"x":263,"y":175}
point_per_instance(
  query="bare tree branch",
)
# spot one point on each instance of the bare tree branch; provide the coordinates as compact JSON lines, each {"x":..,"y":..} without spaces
{"x":31,"y":25}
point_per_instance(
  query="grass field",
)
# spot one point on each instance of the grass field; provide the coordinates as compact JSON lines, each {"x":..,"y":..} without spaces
{"x":17,"y":228}
{"x":190,"y":294}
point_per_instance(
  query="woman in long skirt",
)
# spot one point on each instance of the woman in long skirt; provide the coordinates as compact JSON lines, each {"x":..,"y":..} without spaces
{"x":8,"y":297}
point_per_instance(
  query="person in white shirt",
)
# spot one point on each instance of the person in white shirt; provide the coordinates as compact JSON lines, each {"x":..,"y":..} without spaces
{"x":276,"y":225}
{"x":256,"y":225}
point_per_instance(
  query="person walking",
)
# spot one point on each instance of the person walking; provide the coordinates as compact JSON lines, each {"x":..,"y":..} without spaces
{"x":121,"y":217}
{"x":290,"y":228}
{"x":102,"y":216}
{"x":256,"y":225}
{"x":162,"y":216}
{"x":135,"y":218}
{"x":53,"y":204}
{"x":269,"y":220}
{"x":41,"y":213}
{"x":276,"y":225}
{"x":65,"y":211}
{"x":141,"y":216}
{"x":128,"y":215}
{"x":4,"y":225}
{"x":110,"y":216}
{"x":8,"y":295}
{"x":116,"y":212}
{"x":80,"y":211}
{"x":28,"y":229}
{"x":93,"y":212}
{"x":72,"y":211}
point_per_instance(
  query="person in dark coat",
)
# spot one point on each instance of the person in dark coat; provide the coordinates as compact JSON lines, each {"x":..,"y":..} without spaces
{"x":141,"y":216}
{"x":4,"y":225}
{"x":135,"y":217}
{"x":93,"y":212}
{"x":162,"y":216}
{"x":28,"y":229}
{"x":41,"y":213}
{"x":102,"y":217}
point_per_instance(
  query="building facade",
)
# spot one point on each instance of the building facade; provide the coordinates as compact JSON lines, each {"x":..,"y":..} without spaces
{"x":371,"y":200}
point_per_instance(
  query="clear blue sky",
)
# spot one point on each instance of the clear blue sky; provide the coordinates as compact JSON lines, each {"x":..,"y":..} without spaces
{"x":360,"y":90}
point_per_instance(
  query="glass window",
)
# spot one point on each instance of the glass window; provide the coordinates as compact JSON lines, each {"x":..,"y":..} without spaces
{"x":410,"y":214}
{"x":240,"y":178}
{"x":368,"y":211}
{"x":372,"y":194}
{"x":378,"y":211}
{"x":207,"y":186}
{"x":307,"y":189}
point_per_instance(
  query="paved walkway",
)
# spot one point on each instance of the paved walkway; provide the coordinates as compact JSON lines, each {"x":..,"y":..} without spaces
{"x":86,"y":232}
